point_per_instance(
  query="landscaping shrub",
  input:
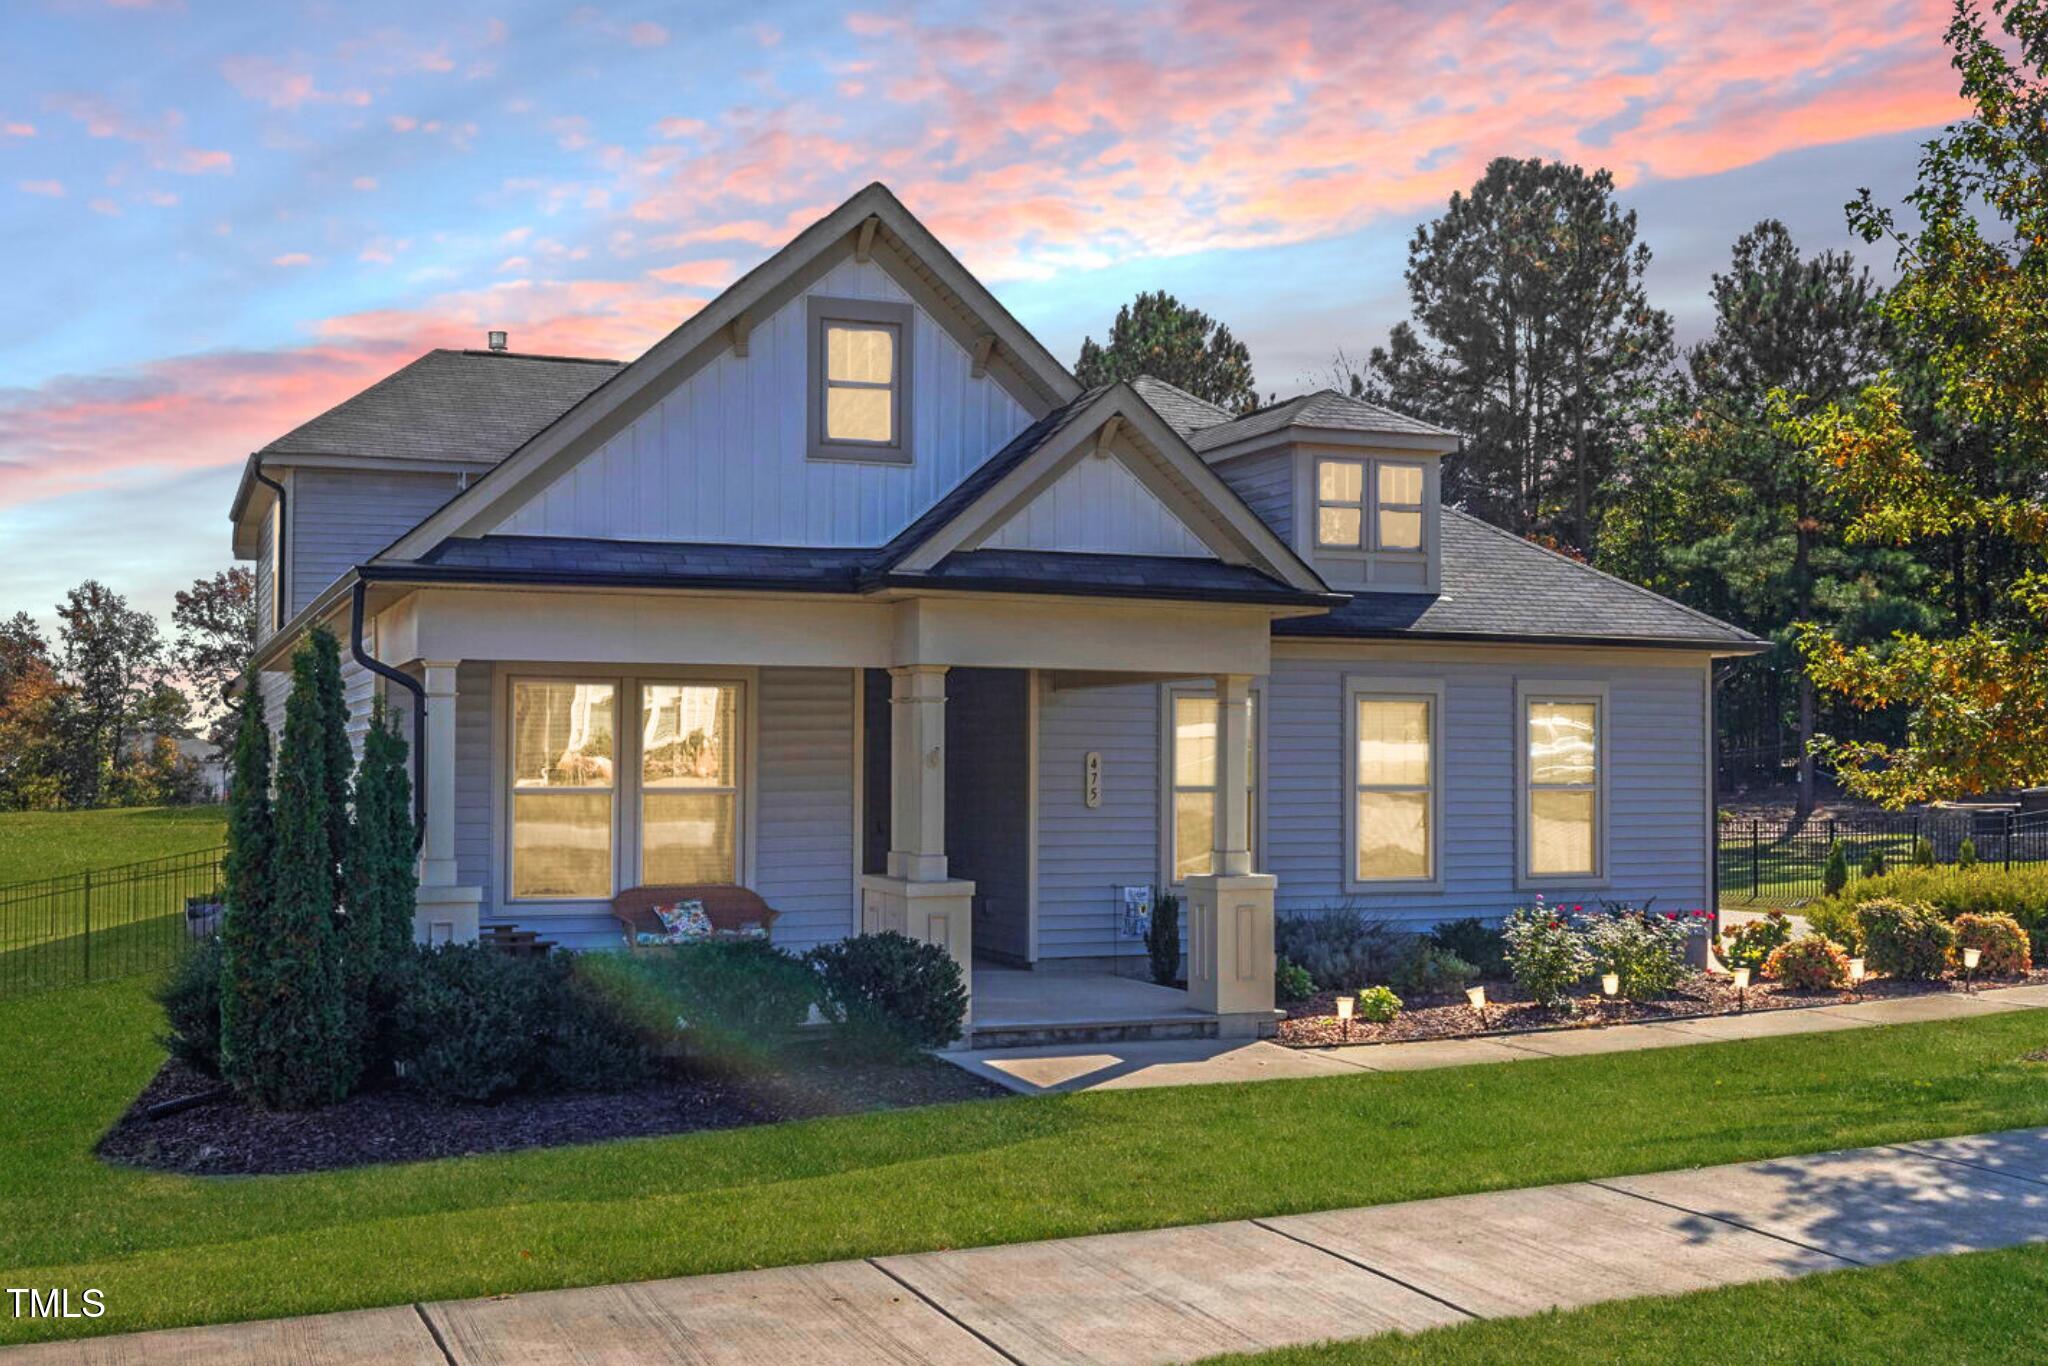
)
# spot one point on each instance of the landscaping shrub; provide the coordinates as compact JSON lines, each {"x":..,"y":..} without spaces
{"x":1923,"y":852}
{"x":190,"y":997}
{"x":1162,"y":937}
{"x":1836,"y":919}
{"x":1905,"y":939}
{"x":1546,"y":953}
{"x":1834,"y":874}
{"x":1340,"y":947}
{"x":382,"y":885}
{"x":2005,"y":947}
{"x":1873,"y":864}
{"x":1749,"y":944}
{"x":889,"y":994}
{"x":1647,"y":952}
{"x":472,"y":1024}
{"x":1291,"y":981}
{"x":1966,"y":853}
{"x":1475,"y":941}
{"x":1429,"y":970}
{"x":1378,"y":1005}
{"x":2021,"y":893}
{"x":731,"y":1000}
{"x":1812,"y":963}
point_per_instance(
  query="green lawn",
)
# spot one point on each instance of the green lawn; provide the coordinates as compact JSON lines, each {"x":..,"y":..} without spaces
{"x":1980,"y":1306}
{"x":40,"y":844}
{"x":172,"y":1250}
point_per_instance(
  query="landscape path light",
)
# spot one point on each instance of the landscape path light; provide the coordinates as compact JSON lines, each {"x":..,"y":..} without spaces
{"x":1741,"y":976}
{"x":1856,"y":977}
{"x":1971,"y":958}
{"x":1477,"y":996}
{"x":1610,"y":983}
{"x":1345,"y":1005}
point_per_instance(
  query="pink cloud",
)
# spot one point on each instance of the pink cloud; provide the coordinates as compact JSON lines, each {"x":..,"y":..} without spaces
{"x":647,"y":34}
{"x":282,"y":86}
{"x":18,"y":130}
{"x":292,"y":258}
{"x":161,"y":139}
{"x":708,"y":274}
{"x":363,"y":182}
{"x":49,"y":189}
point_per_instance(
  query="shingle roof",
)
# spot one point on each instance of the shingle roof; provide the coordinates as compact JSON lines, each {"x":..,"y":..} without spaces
{"x":1325,"y":409}
{"x":1495,"y":584}
{"x":580,"y":561}
{"x":1180,"y":409}
{"x":450,"y":405}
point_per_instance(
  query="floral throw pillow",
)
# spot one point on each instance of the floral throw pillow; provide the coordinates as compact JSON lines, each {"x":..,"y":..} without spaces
{"x":685,"y":922}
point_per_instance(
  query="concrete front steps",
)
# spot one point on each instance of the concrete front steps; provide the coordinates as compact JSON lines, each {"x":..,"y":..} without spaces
{"x":1065,"y":1033}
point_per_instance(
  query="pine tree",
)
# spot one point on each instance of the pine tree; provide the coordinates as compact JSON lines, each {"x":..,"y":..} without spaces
{"x":249,"y":873}
{"x":382,"y":881}
{"x":294,"y":1051}
{"x":1158,"y":335}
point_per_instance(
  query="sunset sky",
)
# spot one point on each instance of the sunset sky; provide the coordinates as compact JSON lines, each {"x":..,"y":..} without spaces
{"x":219,"y":219}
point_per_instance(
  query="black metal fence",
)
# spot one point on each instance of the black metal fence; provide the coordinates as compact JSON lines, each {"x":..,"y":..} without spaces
{"x":1769,"y":863}
{"x":110,"y":922}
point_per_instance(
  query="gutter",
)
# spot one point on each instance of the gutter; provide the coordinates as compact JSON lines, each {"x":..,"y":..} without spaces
{"x":277,"y":612}
{"x":419,"y":709}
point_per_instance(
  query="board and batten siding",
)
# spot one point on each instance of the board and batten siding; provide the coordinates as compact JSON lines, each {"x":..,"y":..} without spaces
{"x":1099,"y":506}
{"x":1265,"y":480}
{"x":723,"y":456}
{"x":802,"y":806}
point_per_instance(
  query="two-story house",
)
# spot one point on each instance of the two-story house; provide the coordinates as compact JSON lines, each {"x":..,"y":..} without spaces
{"x":847,"y":592}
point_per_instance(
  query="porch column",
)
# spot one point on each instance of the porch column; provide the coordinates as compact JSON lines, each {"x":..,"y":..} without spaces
{"x":916,"y":897}
{"x":445,"y":911}
{"x":1230,"y":911}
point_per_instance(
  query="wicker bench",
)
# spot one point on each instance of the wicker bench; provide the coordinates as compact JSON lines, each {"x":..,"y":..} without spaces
{"x":731,"y":910}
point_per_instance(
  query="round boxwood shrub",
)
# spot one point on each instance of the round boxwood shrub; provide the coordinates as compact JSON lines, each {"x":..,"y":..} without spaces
{"x":1378,"y":1005}
{"x":1814,"y":963}
{"x":1428,"y":970}
{"x":190,"y":997}
{"x":1905,"y":939}
{"x":890,"y":995}
{"x":1291,"y":981}
{"x":2006,"y":949}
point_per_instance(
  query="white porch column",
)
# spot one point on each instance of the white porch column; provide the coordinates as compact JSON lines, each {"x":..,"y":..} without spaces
{"x":1230,"y":911}
{"x":916,"y":897}
{"x":445,"y":911}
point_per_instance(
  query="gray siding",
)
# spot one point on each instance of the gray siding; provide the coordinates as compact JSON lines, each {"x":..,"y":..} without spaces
{"x":475,"y":802}
{"x":1656,"y":785}
{"x":804,"y":806}
{"x":342,"y":517}
{"x":1084,"y":855}
{"x":1266,"y":483}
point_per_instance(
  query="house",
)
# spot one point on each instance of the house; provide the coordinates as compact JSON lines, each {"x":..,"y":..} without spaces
{"x":847,"y":591}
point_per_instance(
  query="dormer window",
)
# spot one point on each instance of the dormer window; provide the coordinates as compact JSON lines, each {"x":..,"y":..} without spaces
{"x":859,"y":380}
{"x":1369,"y":505}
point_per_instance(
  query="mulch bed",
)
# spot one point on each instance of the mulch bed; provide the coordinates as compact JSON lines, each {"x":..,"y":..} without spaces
{"x":227,"y":1138}
{"x":1313,"y":1023}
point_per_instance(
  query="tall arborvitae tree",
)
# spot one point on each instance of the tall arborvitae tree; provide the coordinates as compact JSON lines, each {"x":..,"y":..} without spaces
{"x":247,"y":971}
{"x":295,"y":1051}
{"x":340,"y":760}
{"x":1534,"y":336}
{"x":1158,"y":335}
{"x":382,"y":881}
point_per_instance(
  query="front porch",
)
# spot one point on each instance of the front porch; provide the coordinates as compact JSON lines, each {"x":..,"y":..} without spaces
{"x":1014,"y":1007}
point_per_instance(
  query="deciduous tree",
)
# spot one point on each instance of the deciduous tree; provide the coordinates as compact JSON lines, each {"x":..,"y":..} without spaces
{"x":216,"y":624}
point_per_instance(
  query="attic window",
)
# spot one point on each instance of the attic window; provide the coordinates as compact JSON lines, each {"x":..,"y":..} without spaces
{"x":859,"y":380}
{"x":1369,"y":504}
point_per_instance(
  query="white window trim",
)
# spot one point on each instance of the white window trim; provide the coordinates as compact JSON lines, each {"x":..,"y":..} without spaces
{"x":1364,"y":505}
{"x":1258,"y":824}
{"x":1369,"y":505}
{"x":819,"y":310}
{"x":1394,"y":689}
{"x":625,"y":836}
{"x":1529,"y":690}
{"x":1420,"y":507}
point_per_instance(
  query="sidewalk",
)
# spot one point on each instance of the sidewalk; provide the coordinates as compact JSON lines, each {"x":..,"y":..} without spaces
{"x":1196,"y":1062}
{"x":1179,"y":1294}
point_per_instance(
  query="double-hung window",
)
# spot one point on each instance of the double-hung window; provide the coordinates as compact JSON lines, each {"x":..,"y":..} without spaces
{"x":596,"y":805}
{"x":1192,"y":755}
{"x":564,"y":779}
{"x":860,"y":380}
{"x":1393,"y":778}
{"x":1369,"y":504}
{"x":1563,"y":771}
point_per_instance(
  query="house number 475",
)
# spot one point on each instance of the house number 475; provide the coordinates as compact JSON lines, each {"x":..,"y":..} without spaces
{"x":1091,"y":779}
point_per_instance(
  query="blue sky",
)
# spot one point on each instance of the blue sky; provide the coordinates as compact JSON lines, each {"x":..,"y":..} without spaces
{"x":222,"y":218}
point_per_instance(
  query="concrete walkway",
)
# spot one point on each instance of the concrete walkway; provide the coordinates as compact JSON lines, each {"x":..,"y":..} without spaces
{"x":1194,"y":1062}
{"x":1179,"y":1294}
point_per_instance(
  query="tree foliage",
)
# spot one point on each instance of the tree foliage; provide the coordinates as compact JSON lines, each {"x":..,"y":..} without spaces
{"x":383,"y":882}
{"x":30,"y":765}
{"x":1158,"y":335}
{"x":216,"y":623}
{"x":1971,"y":307}
{"x":1534,"y":336}
{"x":249,"y":874}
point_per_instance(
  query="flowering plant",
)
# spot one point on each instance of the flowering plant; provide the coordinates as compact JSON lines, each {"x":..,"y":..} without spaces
{"x":1646,"y":952}
{"x":1546,"y":953}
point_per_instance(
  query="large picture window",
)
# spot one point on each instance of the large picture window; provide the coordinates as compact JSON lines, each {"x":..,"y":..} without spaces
{"x":1393,"y":785}
{"x":564,"y":778}
{"x":1562,"y":806}
{"x":860,"y":379}
{"x":689,"y":782}
{"x":1193,"y":758}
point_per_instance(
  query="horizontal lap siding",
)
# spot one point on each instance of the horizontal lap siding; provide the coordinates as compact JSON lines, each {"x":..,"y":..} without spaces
{"x":475,"y":802}
{"x":1085,"y":855}
{"x":804,"y":807}
{"x":1266,"y":483}
{"x":1656,"y":786}
{"x":342,"y":517}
